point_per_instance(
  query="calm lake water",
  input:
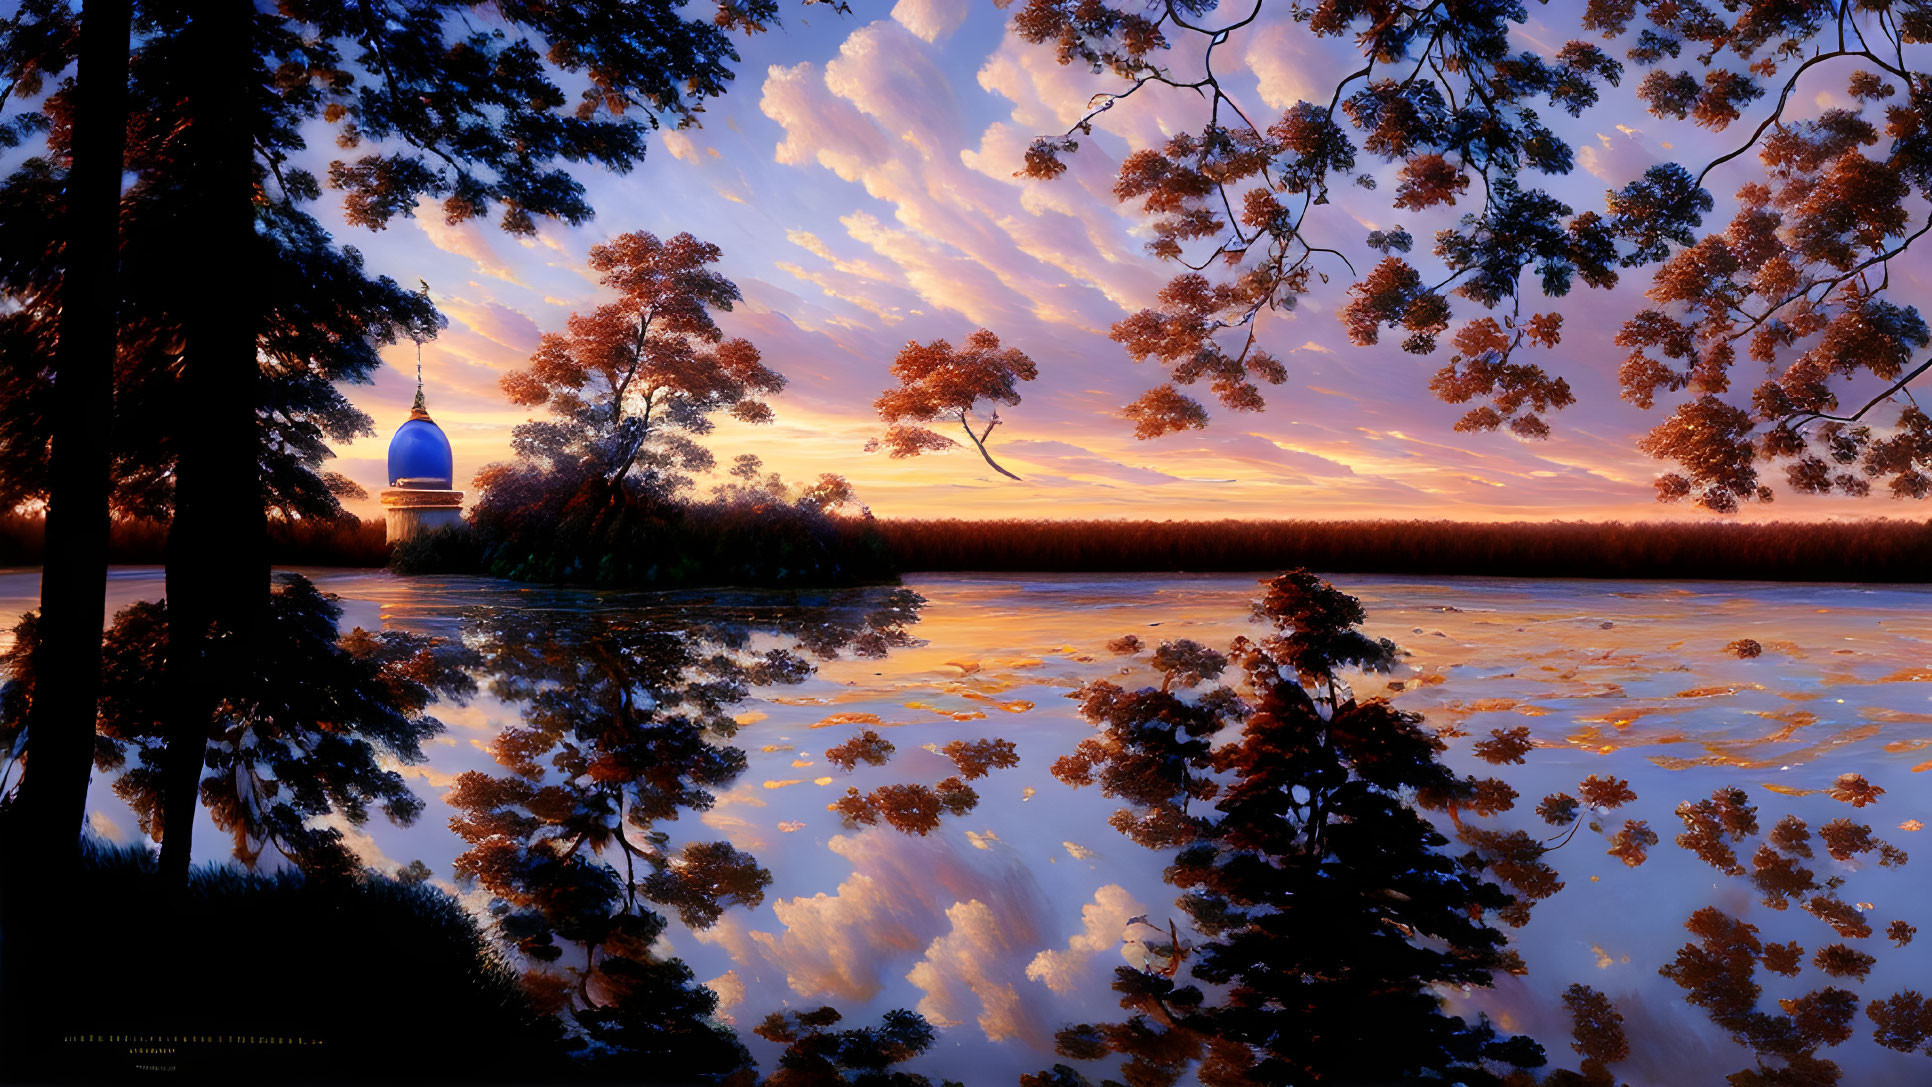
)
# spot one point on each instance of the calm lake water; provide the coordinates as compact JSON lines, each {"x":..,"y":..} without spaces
{"x":1005,"y":924}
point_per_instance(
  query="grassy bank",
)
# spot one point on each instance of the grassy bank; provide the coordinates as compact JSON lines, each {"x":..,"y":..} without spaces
{"x":1875,"y":550}
{"x":348,"y":542}
{"x":270,"y":978}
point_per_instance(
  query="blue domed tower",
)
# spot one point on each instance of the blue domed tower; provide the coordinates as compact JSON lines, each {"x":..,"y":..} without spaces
{"x":419,"y":454}
{"x":422,"y":473}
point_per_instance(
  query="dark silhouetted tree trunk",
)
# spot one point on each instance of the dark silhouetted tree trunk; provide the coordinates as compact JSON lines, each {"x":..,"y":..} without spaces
{"x":217,"y":566}
{"x":73,"y":587}
{"x":45,"y":837}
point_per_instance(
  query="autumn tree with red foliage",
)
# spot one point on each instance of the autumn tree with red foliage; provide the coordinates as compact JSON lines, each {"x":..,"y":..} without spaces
{"x":938,"y":381}
{"x":632,"y":385}
{"x":1232,"y":201}
{"x":1797,"y":281}
{"x":598,"y":491}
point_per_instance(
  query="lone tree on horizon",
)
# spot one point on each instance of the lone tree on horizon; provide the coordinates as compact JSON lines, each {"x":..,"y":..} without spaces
{"x":633,"y":384}
{"x":937,"y":381}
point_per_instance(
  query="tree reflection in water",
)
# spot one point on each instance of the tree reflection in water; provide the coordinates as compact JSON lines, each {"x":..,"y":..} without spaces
{"x":305,"y":740}
{"x":626,"y":718}
{"x":1328,"y":911}
{"x":1285,"y":807}
{"x":817,"y":1056}
{"x":1325,"y":915}
{"x":914,"y":808}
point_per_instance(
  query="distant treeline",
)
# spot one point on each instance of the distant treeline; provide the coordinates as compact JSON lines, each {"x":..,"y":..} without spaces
{"x":1872,"y":550}
{"x":347,"y":542}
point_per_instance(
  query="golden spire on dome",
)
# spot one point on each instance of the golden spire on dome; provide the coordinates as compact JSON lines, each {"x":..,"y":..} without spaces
{"x":420,"y":409}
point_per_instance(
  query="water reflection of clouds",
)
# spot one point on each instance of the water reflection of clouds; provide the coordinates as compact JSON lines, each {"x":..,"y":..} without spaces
{"x":968,"y":929}
{"x":990,"y":924}
{"x":968,"y":975}
{"x":1104,"y":924}
{"x":849,"y":944}
{"x":932,"y":922}
{"x":740,"y":832}
{"x":1639,"y":683}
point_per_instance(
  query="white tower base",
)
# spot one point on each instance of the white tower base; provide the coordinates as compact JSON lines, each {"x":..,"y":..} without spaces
{"x":411,"y":511}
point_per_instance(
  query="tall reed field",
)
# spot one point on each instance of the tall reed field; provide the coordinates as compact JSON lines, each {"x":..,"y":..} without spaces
{"x":346,"y":542}
{"x":1872,"y":550}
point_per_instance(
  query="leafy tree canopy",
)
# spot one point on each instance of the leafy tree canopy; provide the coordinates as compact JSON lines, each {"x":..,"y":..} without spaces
{"x":432,"y":104}
{"x":631,"y":386}
{"x":1797,"y":281}
{"x":818,"y":1056}
{"x":938,"y":381}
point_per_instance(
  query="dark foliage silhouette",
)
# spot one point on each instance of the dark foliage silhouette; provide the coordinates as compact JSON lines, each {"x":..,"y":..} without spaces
{"x":306,"y":316}
{"x":62,"y":456}
{"x":426,"y":108}
{"x":1856,"y":551}
{"x":598,"y":491}
{"x":722,"y":540}
{"x":818,"y":1056}
{"x":303,"y":736}
{"x":345,"y":541}
{"x":1284,"y":806}
{"x":388,"y":982}
{"x":536,"y":526}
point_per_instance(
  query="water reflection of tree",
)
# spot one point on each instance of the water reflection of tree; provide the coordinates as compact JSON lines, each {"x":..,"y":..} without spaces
{"x":913,"y":808}
{"x":626,"y":718}
{"x":1327,"y":908}
{"x":300,"y":744}
{"x":817,"y":1056}
{"x":1718,"y":971}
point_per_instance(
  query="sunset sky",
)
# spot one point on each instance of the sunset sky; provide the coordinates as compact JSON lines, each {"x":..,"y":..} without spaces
{"x":859,"y":178}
